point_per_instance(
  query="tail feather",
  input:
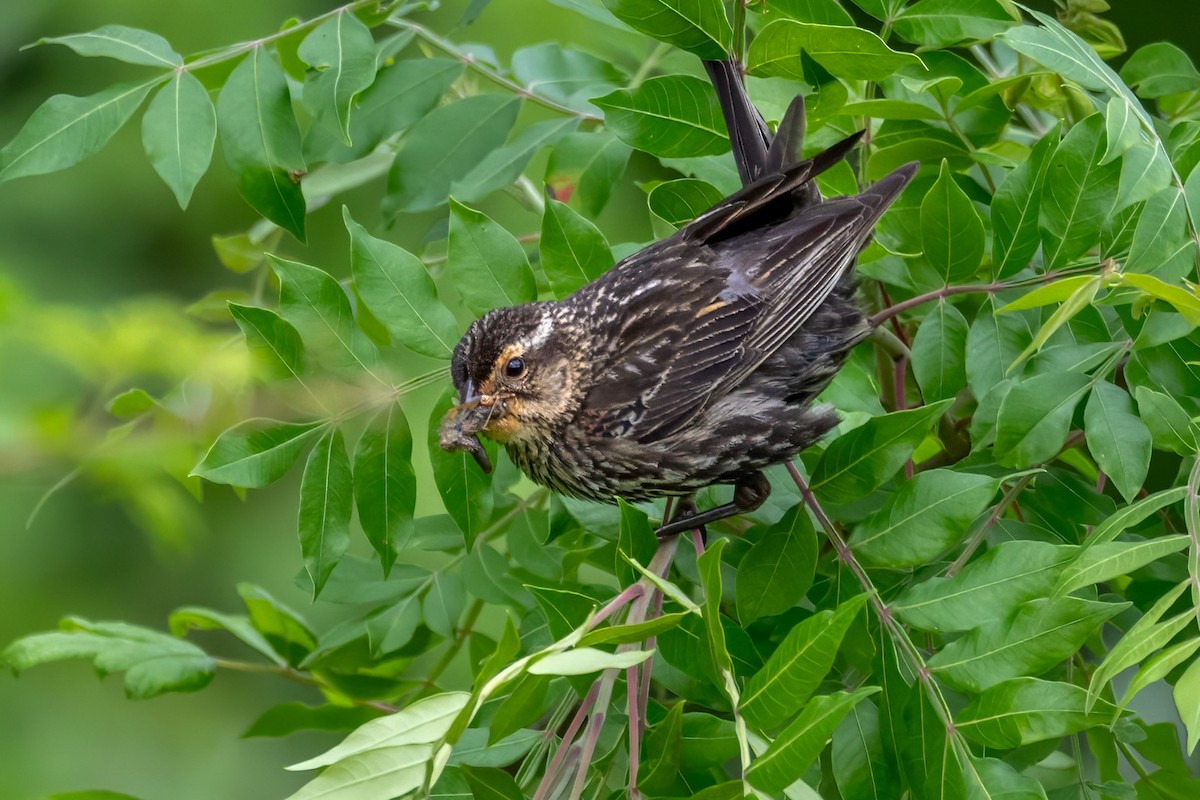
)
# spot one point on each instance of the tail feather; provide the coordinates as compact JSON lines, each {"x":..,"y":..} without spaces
{"x":748,"y":132}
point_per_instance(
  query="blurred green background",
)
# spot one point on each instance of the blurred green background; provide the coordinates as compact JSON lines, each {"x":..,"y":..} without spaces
{"x":94,"y":264}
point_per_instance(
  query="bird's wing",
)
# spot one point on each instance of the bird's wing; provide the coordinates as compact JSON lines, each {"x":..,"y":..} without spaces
{"x":749,"y":295}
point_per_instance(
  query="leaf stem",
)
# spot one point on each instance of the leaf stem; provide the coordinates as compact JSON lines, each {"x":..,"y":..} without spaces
{"x":997,"y":511}
{"x":233,"y":51}
{"x":474,"y":65}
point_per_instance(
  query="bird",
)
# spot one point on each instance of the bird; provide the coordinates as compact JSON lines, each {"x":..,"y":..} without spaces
{"x":695,"y":361}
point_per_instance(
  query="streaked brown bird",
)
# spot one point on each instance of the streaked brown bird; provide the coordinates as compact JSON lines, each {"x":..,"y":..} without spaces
{"x":694,"y":361}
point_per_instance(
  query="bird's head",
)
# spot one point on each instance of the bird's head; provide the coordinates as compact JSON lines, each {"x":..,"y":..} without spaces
{"x":514,"y":377}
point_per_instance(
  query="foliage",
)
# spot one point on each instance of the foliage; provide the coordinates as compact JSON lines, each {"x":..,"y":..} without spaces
{"x":1009,"y":508}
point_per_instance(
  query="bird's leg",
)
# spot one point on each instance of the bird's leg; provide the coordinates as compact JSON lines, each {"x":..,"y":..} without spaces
{"x":748,"y":494}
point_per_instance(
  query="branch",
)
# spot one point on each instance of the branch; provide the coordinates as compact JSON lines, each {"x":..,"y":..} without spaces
{"x":887,"y":619}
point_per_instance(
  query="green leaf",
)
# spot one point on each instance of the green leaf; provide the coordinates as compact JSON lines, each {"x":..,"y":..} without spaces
{"x":465,"y":489}
{"x":670,"y":116}
{"x":402,"y":94}
{"x":1078,"y":300}
{"x":1057,"y":48}
{"x":1187,"y":702}
{"x":154,"y":663}
{"x":574,"y":251}
{"x":1161,"y":243}
{"x":1016,"y":207}
{"x":862,"y":460}
{"x":1146,"y":637}
{"x":487,"y":264}
{"x":939,"y":353}
{"x":1057,"y":291}
{"x":1170,"y":426}
{"x":422,"y":722}
{"x":886,"y":108}
{"x":586,"y":660}
{"x":1131,"y":515}
{"x":778,"y":571}
{"x":1117,"y":438}
{"x":565,"y":610}
{"x":584,"y":167}
{"x":1186,"y":302}
{"x":396,"y":287}
{"x":65,"y":130}
{"x":568,"y":76}
{"x":1038,"y":635}
{"x":951,"y":230}
{"x":798,"y":745}
{"x":944,"y":23}
{"x":709,"y":565}
{"x":635,"y":541}
{"x":1026,"y":710}
{"x":1159,"y":69}
{"x":326,"y":502}
{"x":663,"y":741}
{"x":317,"y":305}
{"x":1158,"y":666}
{"x":385,"y":486}
{"x":994,"y":341}
{"x":1035,"y":417}
{"x":798,"y":665}
{"x":492,"y":783}
{"x":131,"y":45}
{"x":390,"y":630}
{"x":633,"y":632}
{"x":286,"y":630}
{"x":487,"y":577}
{"x":987,"y":778}
{"x":861,"y":768}
{"x":698,"y":26}
{"x":1079,"y":193}
{"x":178,"y":131}
{"x":680,"y":201}
{"x":288,"y":718}
{"x":341,"y":53}
{"x":1108,"y":560}
{"x":444,"y":603}
{"x":444,"y":147}
{"x":256,"y":452}
{"x":261,"y":140}
{"x":273,"y":342}
{"x":850,"y":53}
{"x":927,"y":515}
{"x":503,"y":166}
{"x":191,"y":618}
{"x":826,"y":12}
{"x":988,"y":589}
{"x":1121,"y":129}
{"x":131,"y":403}
{"x":523,"y":706}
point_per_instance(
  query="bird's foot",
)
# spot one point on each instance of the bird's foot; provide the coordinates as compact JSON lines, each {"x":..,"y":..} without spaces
{"x":748,"y":494}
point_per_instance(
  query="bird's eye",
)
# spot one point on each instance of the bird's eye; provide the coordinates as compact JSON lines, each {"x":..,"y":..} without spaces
{"x":515,"y":367}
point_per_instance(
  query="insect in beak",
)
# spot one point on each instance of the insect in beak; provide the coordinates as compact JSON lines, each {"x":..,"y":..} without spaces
{"x":452,"y":435}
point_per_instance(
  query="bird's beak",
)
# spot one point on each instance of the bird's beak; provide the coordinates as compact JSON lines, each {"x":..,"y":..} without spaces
{"x":469,"y":393}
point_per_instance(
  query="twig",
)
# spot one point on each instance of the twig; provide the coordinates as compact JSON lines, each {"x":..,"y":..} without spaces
{"x":997,"y":511}
{"x":548,"y":778}
{"x":936,"y":294}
